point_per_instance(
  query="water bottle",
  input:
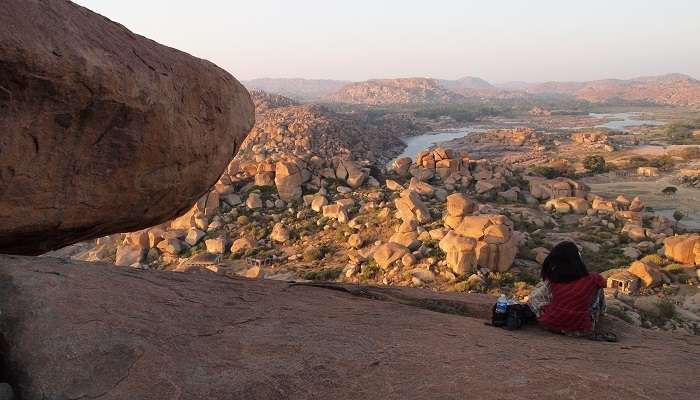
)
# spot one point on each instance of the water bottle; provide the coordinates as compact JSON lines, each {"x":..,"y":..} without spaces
{"x":502,"y":304}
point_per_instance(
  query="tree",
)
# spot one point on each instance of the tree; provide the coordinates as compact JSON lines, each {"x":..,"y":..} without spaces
{"x":678,"y":216}
{"x":594,"y":163}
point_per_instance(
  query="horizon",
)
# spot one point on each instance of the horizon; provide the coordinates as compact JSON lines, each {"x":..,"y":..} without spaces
{"x":467,"y":76}
{"x":510,"y":42}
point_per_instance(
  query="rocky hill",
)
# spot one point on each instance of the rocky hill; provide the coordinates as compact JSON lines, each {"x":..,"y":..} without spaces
{"x":298,"y":89}
{"x":672,"y":89}
{"x":311,"y":131}
{"x":265,"y":101}
{"x":396,"y":91}
{"x":474,"y":87}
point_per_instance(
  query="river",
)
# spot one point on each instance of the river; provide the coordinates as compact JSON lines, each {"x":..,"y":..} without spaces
{"x":415,"y":144}
{"x":622,"y":121}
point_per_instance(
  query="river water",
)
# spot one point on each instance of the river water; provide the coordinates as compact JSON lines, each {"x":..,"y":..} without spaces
{"x":622,"y":121}
{"x":415,"y":144}
{"x":618,"y":121}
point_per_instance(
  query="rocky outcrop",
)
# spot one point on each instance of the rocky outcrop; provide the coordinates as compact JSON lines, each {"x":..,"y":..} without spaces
{"x":543,"y":189}
{"x":79,"y":330}
{"x":684,"y":249}
{"x":395,"y":91}
{"x":671,"y":89}
{"x":103,"y":130}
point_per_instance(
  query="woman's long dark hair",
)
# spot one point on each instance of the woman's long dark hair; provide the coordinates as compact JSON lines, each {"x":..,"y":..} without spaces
{"x":563,"y":264}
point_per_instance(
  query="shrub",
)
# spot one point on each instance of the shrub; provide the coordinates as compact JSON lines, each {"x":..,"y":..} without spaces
{"x":314,"y":253}
{"x":674,"y":268}
{"x":546,"y":171}
{"x":620,"y":314}
{"x":370,"y":271}
{"x":594,"y":163}
{"x":678,"y":215}
{"x":460,"y":287}
{"x":500,"y":279}
{"x":528,"y":277}
{"x":667,"y":309}
{"x":652,"y":259}
{"x":326,"y":274}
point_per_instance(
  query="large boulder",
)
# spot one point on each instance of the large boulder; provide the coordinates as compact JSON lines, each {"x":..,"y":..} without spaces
{"x":460,"y":251}
{"x":410,"y":207}
{"x":496,"y":244}
{"x":388,"y":253}
{"x":650,"y":275}
{"x":81,"y":330}
{"x":684,"y":249}
{"x":288,"y":179}
{"x":103,"y":130}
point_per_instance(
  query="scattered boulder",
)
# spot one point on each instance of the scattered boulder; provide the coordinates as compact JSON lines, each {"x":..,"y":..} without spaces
{"x":460,"y":251}
{"x":650,"y":275}
{"x":355,"y":241}
{"x":565,"y":205}
{"x":241,"y":245}
{"x":280,"y":233}
{"x":351,"y":173}
{"x":393,"y":185}
{"x":409,"y":206}
{"x":193,"y":236}
{"x":459,"y":205}
{"x":216,"y":245}
{"x":388,"y":253}
{"x":254,"y":201}
{"x":288,"y":179}
{"x":172,"y":247}
{"x":402,"y":165}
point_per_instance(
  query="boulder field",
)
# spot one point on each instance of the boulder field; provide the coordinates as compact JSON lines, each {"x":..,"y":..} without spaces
{"x":84,"y":330}
{"x":103,"y":130}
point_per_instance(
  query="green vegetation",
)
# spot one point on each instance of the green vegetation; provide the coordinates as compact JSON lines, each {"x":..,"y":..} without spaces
{"x":653,"y":259}
{"x":326,"y":274}
{"x":616,"y":312}
{"x":682,"y":132}
{"x":665,"y":311}
{"x":664,"y":162}
{"x":678,"y":215}
{"x":314,"y":253}
{"x":547,"y":171}
{"x":674,"y":268}
{"x":433,"y":249}
{"x":500,"y":279}
{"x":370,"y":271}
{"x":595,"y":164}
{"x":687,"y":153}
{"x":460,"y":112}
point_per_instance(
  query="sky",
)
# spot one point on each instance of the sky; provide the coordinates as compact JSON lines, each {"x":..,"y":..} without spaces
{"x":497,"y":40}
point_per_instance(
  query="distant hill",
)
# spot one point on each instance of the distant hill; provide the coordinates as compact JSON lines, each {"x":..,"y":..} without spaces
{"x":265,"y":101}
{"x":296,"y":88}
{"x":396,"y":91}
{"x":466,"y":83}
{"x":671,"y":89}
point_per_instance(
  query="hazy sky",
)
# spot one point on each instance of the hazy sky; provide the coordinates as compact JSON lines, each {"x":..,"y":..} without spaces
{"x":498,"y":40}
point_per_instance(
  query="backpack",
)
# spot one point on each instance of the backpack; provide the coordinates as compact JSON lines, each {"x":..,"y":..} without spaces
{"x":515,"y":317}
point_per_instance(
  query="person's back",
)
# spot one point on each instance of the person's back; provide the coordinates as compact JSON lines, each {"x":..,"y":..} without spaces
{"x":570,"y":306}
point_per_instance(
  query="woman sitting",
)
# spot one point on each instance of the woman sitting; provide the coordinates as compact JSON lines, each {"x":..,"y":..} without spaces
{"x":570,"y":300}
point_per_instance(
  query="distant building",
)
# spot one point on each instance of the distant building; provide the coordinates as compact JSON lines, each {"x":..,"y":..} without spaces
{"x":624,"y":281}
